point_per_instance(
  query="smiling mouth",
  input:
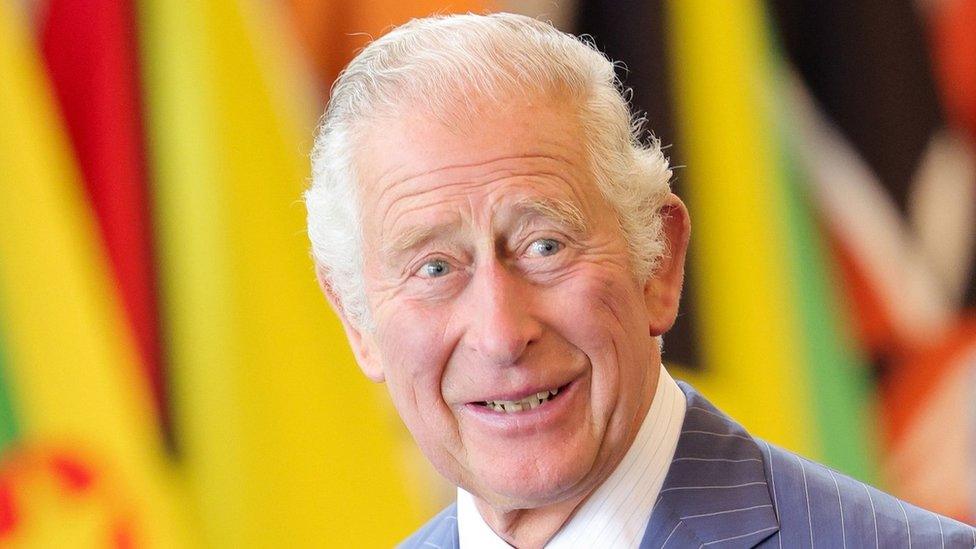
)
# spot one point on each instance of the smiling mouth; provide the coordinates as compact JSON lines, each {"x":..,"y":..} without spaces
{"x":530,"y":402}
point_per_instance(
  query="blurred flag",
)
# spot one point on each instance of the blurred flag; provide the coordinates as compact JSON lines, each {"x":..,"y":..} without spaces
{"x":81,"y":463}
{"x":331,"y":32}
{"x":283,"y":440}
{"x":883,"y":102}
{"x":772,"y":335}
{"x":90,"y":51}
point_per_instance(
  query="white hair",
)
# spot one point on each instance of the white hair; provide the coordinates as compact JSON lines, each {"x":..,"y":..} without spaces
{"x":436,"y":63}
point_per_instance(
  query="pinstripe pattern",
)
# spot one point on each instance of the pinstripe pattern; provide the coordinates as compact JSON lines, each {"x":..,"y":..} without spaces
{"x":727,"y":489}
{"x":807,"y":504}
{"x":840,"y":504}
{"x":717,"y":492}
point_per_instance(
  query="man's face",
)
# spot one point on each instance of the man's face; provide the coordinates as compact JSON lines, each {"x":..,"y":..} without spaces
{"x":497,"y":275}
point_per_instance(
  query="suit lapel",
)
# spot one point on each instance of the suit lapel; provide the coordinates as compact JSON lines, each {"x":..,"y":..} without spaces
{"x":716,"y":487}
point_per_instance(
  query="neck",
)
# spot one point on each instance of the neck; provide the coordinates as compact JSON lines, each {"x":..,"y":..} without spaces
{"x":528,"y":528}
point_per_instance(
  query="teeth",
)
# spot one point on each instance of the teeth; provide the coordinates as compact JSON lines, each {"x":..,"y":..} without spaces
{"x":530,"y":402}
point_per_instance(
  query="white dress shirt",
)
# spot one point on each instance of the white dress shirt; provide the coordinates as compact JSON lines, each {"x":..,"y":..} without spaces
{"x":616,"y":513}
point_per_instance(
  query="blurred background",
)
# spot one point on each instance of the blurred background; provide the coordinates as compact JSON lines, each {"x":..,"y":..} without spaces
{"x":171,"y":377}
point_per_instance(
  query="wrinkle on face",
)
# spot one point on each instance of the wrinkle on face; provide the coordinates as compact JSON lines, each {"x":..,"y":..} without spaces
{"x":464,"y":207}
{"x":424,"y":195}
{"x":481,"y":201}
{"x":562,"y":212}
{"x":389,"y":178}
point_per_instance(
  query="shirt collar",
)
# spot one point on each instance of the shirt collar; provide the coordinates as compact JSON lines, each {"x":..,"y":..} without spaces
{"x":617,"y":512}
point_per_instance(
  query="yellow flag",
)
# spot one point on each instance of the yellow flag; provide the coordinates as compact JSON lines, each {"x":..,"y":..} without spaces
{"x":749,"y":333}
{"x":284,"y":441}
{"x":86,"y":468}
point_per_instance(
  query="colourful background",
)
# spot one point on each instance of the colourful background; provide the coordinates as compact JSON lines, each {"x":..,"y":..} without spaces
{"x":171,"y":377}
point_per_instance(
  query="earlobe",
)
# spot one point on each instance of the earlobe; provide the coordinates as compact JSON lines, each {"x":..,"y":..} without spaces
{"x":662,"y":291}
{"x":362,"y":344}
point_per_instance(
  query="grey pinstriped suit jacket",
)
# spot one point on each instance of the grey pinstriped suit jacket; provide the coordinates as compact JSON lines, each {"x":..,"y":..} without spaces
{"x":728,"y":489}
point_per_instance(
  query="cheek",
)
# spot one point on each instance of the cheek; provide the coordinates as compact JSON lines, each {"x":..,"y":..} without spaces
{"x":600,"y":310}
{"x":414,"y":353}
{"x":602,"y":315}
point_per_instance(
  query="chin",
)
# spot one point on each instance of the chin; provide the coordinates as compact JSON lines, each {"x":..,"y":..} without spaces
{"x":527,"y":484}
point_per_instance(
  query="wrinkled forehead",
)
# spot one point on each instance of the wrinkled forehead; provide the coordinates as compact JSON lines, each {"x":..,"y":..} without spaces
{"x":518,"y":150}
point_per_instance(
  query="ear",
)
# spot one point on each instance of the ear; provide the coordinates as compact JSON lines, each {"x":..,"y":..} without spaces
{"x":662,"y":292}
{"x":363,"y":346}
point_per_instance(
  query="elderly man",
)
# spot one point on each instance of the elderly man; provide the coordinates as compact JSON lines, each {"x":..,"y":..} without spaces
{"x":505,"y":255}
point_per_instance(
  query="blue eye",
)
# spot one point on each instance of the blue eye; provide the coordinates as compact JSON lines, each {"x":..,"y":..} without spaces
{"x":545,"y":247}
{"x":434,"y":268}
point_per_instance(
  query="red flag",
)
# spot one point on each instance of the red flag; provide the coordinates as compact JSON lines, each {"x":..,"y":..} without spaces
{"x":90,"y":49}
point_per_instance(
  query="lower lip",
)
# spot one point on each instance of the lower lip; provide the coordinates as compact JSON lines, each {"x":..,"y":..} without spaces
{"x":526,"y":421}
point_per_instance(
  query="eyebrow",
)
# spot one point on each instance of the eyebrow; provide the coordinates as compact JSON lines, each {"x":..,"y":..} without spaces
{"x":413,"y":236}
{"x":559,"y":211}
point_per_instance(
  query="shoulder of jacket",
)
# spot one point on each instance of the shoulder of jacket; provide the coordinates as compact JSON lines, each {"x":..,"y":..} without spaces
{"x":878,"y":516}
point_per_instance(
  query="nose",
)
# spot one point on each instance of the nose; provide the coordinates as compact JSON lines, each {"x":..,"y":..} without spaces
{"x":502,"y":325}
